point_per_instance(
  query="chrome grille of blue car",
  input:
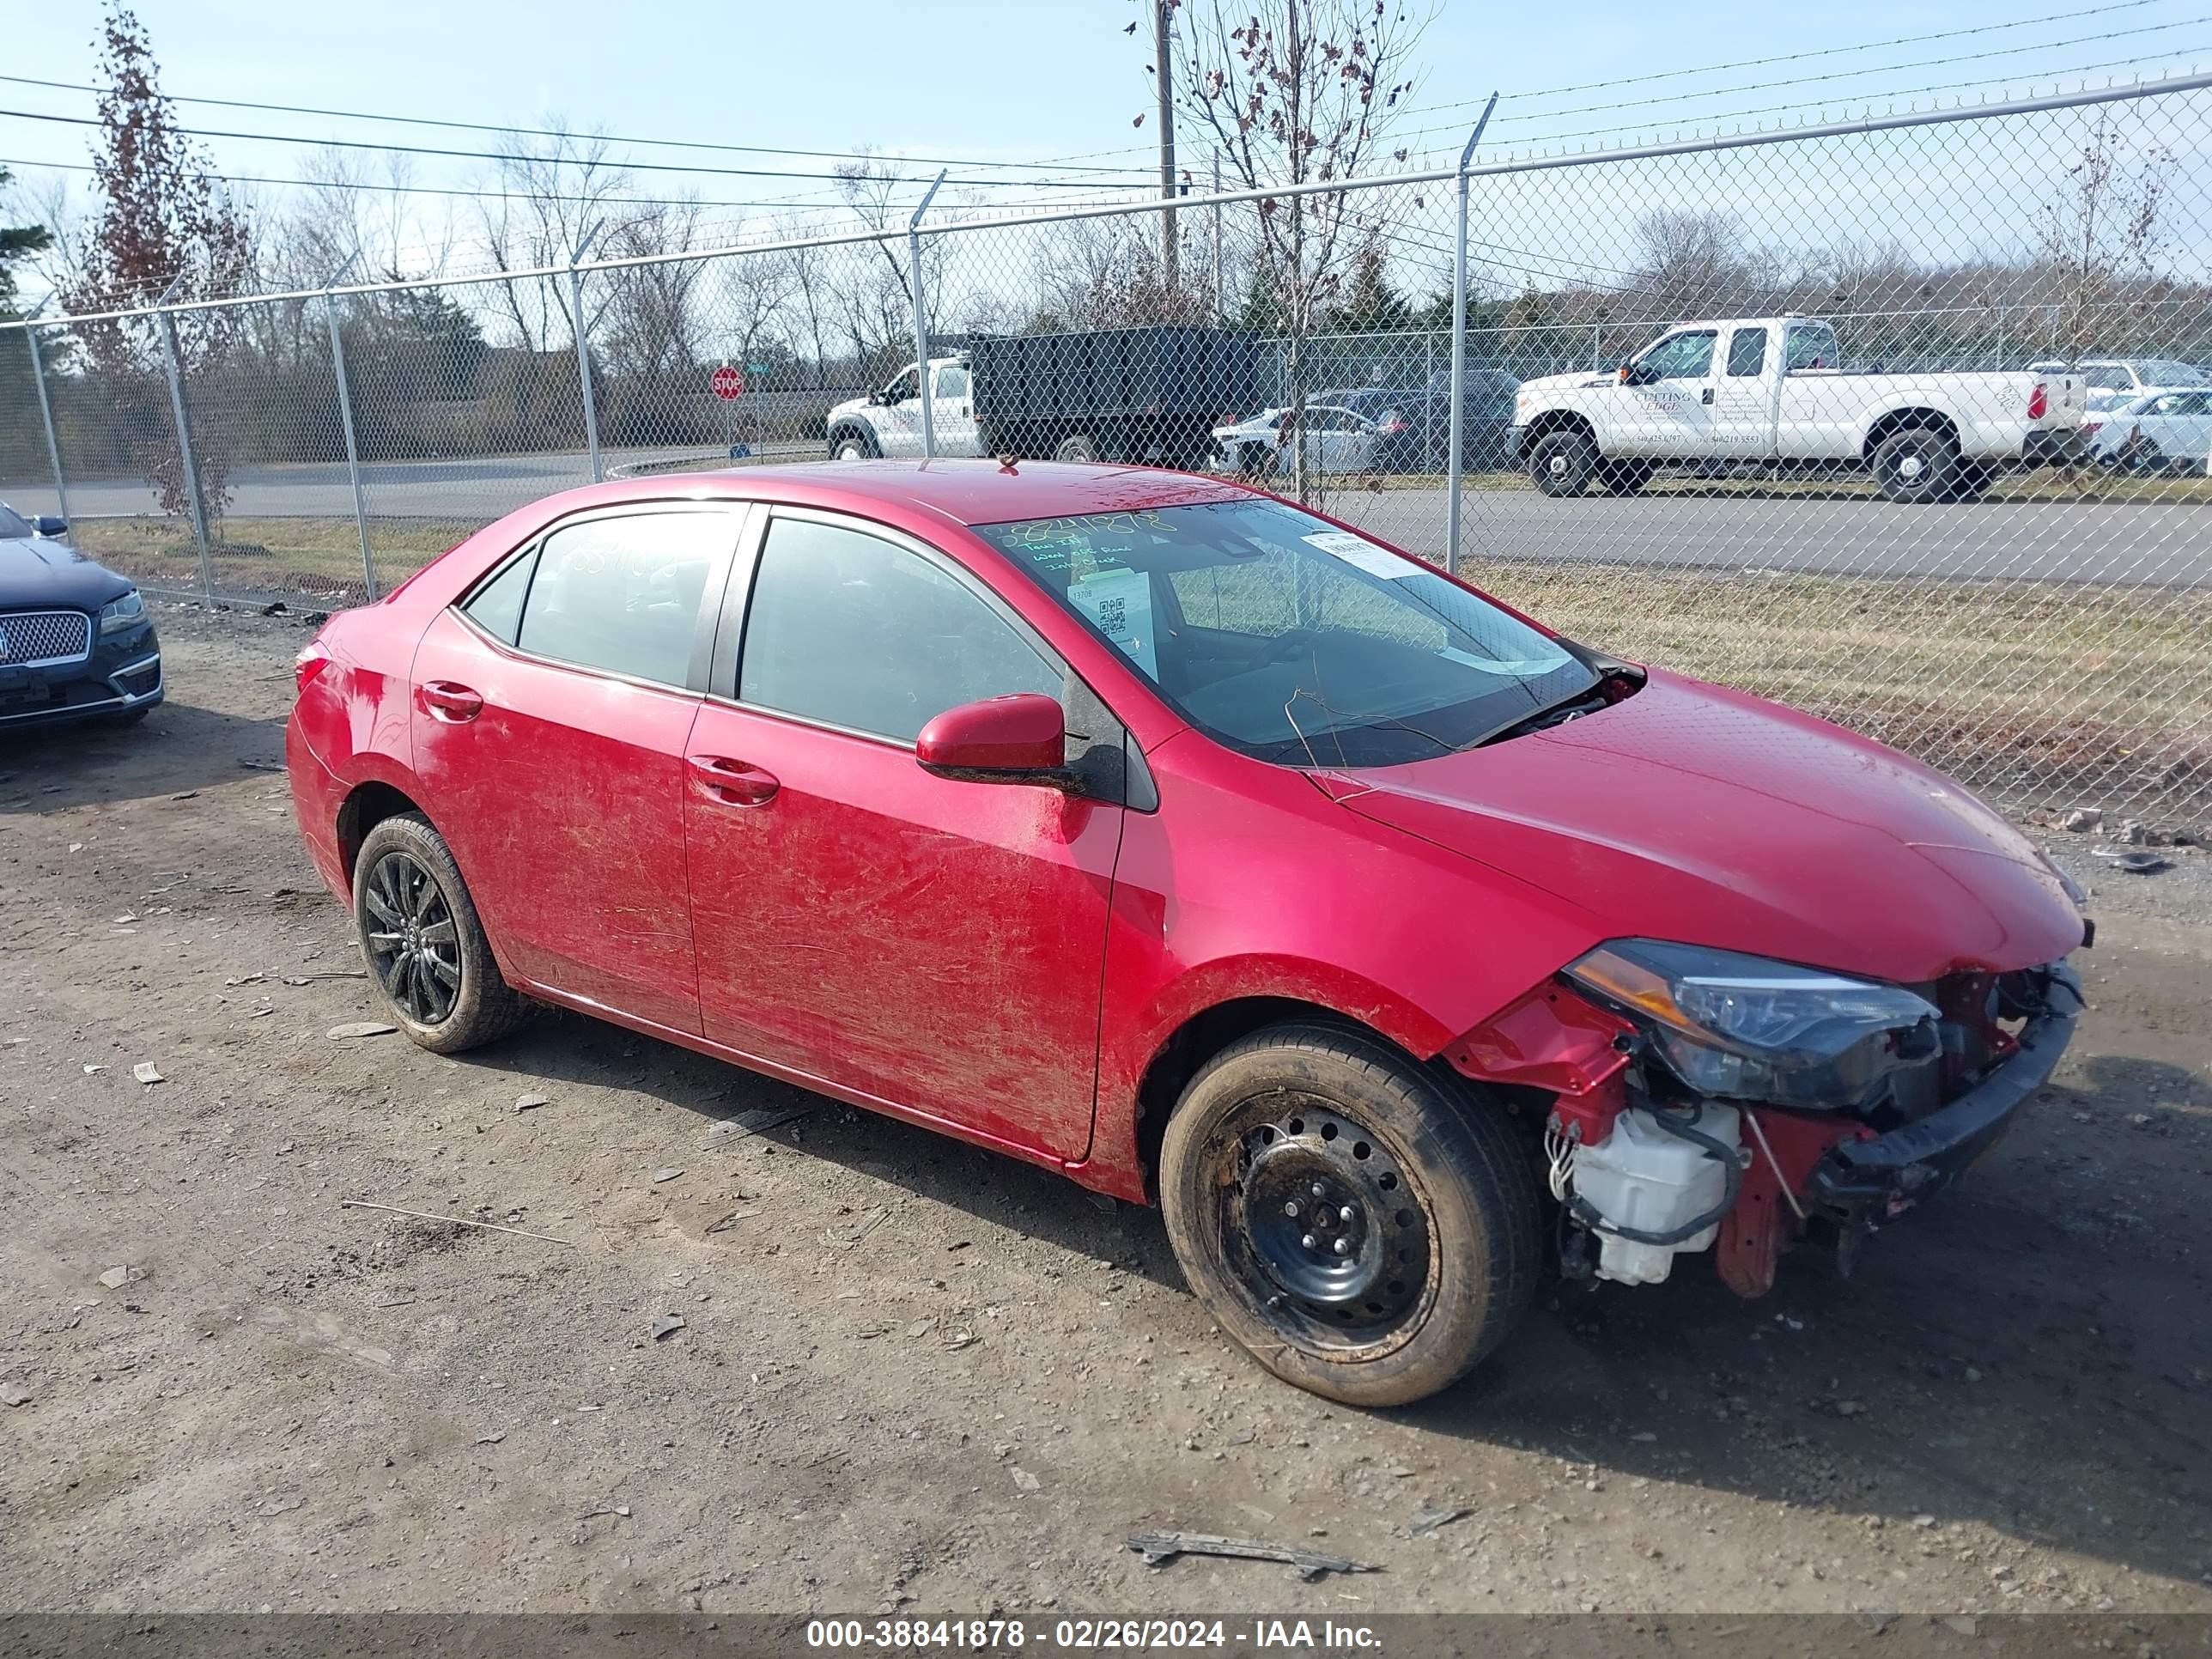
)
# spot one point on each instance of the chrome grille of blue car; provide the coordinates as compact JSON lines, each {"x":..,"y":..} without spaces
{"x":33,"y":639}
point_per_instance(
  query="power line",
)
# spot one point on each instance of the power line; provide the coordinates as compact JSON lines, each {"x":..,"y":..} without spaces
{"x":1707,"y":69}
{"x":1843,"y":75}
{"x":557,"y":132}
{"x":439,"y":190}
{"x":1823,"y":52}
{"x":829,"y":179}
{"x":1869,"y":99}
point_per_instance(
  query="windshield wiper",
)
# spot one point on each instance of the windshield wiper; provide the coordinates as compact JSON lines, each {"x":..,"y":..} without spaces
{"x":1587,"y":701}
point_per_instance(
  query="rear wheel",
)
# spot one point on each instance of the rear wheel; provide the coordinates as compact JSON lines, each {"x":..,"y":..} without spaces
{"x":424,"y":947}
{"x":1562,"y":462}
{"x":1078,"y":448}
{"x":1916,"y":464}
{"x":1358,"y":1230}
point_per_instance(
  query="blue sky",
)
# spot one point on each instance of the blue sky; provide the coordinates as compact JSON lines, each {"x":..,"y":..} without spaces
{"x":997,"y":81}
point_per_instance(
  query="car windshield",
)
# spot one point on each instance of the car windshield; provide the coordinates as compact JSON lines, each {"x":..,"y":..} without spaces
{"x":1290,"y":640}
{"x":13,"y":527}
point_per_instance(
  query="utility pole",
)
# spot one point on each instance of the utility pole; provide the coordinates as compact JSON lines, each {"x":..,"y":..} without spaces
{"x":1162,"y":28}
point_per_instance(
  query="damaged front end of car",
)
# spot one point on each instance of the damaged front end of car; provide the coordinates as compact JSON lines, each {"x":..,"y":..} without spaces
{"x":1702,"y":1099}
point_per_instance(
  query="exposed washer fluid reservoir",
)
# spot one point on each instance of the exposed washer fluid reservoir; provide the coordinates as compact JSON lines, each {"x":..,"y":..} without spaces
{"x":1641,"y":1176}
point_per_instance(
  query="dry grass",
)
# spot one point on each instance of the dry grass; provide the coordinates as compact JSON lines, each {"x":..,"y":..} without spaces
{"x":2025,"y":689}
{"x":2039,"y":692}
{"x":318,"y":557}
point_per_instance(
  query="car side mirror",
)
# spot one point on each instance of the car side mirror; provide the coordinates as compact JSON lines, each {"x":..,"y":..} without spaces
{"x":1020,"y":739}
{"x":48,"y":524}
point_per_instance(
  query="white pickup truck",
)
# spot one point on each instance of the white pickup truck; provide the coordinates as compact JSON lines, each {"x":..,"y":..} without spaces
{"x":1766,"y":392}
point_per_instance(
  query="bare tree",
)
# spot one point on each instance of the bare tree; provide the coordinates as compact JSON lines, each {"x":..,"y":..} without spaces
{"x":1296,"y":92}
{"x":1693,"y":260}
{"x":1106,"y":273}
{"x":558,"y":194}
{"x":2102,"y":244}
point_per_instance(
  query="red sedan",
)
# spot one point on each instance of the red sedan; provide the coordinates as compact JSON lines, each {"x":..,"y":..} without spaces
{"x":1163,"y":833}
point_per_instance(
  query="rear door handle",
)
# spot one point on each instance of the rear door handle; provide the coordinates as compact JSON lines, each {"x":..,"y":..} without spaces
{"x":451,"y":702}
{"x":733,"y":782}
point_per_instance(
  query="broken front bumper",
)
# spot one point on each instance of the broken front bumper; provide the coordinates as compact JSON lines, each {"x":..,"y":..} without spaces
{"x":1870,"y":1181}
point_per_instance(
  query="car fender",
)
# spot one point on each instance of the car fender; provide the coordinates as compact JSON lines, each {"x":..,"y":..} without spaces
{"x":1414,"y":942}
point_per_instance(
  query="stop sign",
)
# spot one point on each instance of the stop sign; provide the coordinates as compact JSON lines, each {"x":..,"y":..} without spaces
{"x":727,"y":383}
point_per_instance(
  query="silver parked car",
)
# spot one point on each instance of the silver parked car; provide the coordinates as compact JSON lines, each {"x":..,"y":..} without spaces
{"x":1337,"y":439}
{"x":2158,"y":432}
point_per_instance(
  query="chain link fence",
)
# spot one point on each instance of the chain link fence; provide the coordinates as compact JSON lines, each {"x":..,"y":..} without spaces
{"x":1906,"y":421}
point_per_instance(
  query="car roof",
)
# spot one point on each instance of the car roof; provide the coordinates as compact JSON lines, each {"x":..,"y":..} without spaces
{"x":967,"y":492}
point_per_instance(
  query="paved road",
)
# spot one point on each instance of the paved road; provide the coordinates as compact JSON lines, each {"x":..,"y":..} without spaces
{"x":2148,"y":544}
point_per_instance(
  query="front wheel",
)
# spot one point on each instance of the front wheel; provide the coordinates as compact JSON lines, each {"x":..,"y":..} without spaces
{"x":1625,"y":477}
{"x":1078,"y":448}
{"x":852,"y":447}
{"x":425,"y":949}
{"x":1561,"y":463}
{"x":1357,"y":1228}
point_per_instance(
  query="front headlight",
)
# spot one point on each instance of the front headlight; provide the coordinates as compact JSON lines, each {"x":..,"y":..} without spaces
{"x":118,"y":613}
{"x":1745,"y":1028}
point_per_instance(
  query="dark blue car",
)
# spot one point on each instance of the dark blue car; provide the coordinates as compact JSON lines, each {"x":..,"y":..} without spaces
{"x":76,"y":642}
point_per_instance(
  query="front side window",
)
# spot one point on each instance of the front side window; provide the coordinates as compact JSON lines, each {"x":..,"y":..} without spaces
{"x":1290,"y":640}
{"x":1748,"y":351}
{"x":13,"y":527}
{"x":1680,"y":357}
{"x":850,"y":630}
{"x":623,"y":594}
{"x":952,"y":381}
{"x":904,"y":388}
{"x":1810,"y":346}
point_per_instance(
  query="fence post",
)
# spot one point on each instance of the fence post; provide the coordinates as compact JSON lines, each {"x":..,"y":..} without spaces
{"x":174,"y":363}
{"x":584,"y":354}
{"x":345,"y":419}
{"x":1459,"y":349}
{"x":46,"y":410}
{"x":922,"y":381}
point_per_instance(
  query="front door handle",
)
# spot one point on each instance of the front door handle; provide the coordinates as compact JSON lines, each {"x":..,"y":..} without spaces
{"x":733,"y":782}
{"x":1708,"y":398}
{"x":450,"y":701}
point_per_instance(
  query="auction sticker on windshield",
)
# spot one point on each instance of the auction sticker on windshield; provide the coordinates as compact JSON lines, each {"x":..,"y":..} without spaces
{"x":1360,"y":551}
{"x":1119,"y":604}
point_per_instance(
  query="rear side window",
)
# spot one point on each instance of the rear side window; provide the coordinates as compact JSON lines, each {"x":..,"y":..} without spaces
{"x":497,"y":606}
{"x":851,"y":630}
{"x":1748,"y":351}
{"x":623,"y":594}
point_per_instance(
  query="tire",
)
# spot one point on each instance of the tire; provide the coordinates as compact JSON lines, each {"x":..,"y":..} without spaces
{"x":1437,"y":1183}
{"x":1077,"y":448}
{"x":457,"y":1001}
{"x":1625,"y":477}
{"x":1916,"y":464}
{"x":1561,"y":464}
{"x":2142,"y":458}
{"x":854,"y":446}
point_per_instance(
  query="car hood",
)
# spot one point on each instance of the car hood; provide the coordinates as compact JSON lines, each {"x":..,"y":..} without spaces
{"x":42,"y":573}
{"x":1692,"y":812}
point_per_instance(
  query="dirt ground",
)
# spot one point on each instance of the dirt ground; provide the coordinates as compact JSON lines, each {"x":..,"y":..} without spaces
{"x":913,"y":1376}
